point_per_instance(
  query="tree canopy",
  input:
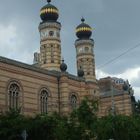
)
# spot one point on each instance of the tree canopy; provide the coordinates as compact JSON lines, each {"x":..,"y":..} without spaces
{"x":81,"y":124}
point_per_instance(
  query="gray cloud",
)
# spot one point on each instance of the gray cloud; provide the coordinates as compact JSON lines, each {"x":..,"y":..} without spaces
{"x":136,"y":82}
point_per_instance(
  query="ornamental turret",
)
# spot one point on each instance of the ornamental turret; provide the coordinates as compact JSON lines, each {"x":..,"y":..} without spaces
{"x":50,"y":43}
{"x":84,"y":51}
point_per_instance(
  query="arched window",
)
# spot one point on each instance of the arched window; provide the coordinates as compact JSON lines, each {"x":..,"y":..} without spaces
{"x":74,"y":101}
{"x":52,"y":53}
{"x":44,"y":101}
{"x":14,"y":91}
{"x":86,"y":49}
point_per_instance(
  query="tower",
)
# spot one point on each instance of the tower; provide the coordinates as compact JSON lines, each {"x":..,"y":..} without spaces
{"x":84,"y":51}
{"x":50,"y":43}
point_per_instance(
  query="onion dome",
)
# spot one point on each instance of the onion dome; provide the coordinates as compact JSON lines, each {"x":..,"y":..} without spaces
{"x":83,"y":30}
{"x":63,"y":66}
{"x":49,"y":12}
{"x":80,"y":73}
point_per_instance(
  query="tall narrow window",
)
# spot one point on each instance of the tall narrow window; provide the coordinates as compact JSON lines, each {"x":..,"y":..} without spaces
{"x":86,"y":49}
{"x":52,"y":54}
{"x":14,"y":91}
{"x":44,"y":101}
{"x":74,"y":101}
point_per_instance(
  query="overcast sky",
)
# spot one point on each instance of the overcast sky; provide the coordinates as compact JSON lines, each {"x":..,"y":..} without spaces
{"x":116,"y":25}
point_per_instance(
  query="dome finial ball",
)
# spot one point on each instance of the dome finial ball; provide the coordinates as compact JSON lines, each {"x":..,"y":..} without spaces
{"x":63,"y":66}
{"x":82,"y":19}
{"x":48,"y":1}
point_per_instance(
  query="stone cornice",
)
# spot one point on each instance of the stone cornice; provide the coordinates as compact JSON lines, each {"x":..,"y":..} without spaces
{"x":37,"y":69}
{"x":28,"y":67}
{"x":43,"y":25}
{"x":84,"y":41}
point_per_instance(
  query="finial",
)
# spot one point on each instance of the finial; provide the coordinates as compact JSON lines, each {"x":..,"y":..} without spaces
{"x":62,"y":60}
{"x":82,"y":19}
{"x":48,"y":1}
{"x":63,"y":66}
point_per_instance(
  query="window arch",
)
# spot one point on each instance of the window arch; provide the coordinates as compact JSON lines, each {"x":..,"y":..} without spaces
{"x":44,"y":100}
{"x":14,"y":94}
{"x":86,"y":49}
{"x":52,"y":53}
{"x":73,"y":101}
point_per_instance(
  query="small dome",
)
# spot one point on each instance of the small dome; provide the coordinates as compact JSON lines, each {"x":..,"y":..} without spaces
{"x":63,"y":66}
{"x":80,"y":73}
{"x":125,"y":87}
{"x":49,"y":12}
{"x":83,"y":30}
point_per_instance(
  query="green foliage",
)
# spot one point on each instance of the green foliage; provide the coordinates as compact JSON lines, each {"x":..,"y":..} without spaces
{"x":82,"y":124}
{"x":119,"y":128}
{"x":11,"y":125}
{"x":137,"y":107}
{"x":84,"y":119}
{"x":41,"y":127}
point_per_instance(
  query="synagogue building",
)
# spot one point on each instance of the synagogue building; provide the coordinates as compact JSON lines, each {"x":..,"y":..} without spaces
{"x":46,"y":86}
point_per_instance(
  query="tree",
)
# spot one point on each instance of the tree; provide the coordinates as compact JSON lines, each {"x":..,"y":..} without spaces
{"x":85,"y":119}
{"x":138,"y":107}
{"x":82,"y":124}
{"x":11,"y":125}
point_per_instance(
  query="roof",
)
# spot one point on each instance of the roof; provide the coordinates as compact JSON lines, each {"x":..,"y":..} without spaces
{"x":109,"y":93}
{"x":28,"y":66}
{"x":37,"y":69}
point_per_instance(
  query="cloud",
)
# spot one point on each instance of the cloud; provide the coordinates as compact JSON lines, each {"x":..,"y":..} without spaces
{"x":7,"y":36}
{"x":12,"y":44}
{"x":137,"y":92}
{"x":131,"y":74}
{"x":8,"y":39}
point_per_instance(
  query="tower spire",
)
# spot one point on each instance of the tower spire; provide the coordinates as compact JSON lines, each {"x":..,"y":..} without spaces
{"x":85,"y":54}
{"x":48,"y":1}
{"x":50,"y":46}
{"x":82,"y":19}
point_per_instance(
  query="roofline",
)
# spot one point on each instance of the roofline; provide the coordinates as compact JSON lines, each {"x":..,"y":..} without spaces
{"x":37,"y":69}
{"x":27,"y":66}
